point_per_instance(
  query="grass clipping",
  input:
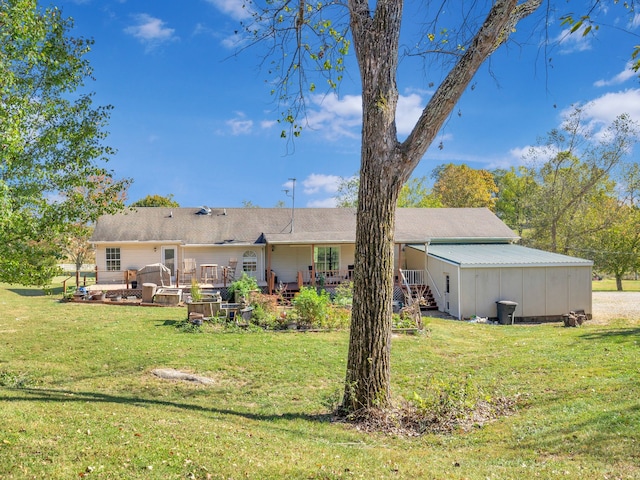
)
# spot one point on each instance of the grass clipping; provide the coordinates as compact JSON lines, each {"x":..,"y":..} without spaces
{"x":445,"y":409}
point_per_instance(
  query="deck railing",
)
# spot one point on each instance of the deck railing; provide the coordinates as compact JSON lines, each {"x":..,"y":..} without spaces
{"x":414,"y":277}
{"x":325,"y":277}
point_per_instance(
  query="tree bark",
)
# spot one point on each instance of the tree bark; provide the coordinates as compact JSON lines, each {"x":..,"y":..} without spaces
{"x":386,"y":165}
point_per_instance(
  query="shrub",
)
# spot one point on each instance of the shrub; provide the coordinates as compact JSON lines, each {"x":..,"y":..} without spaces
{"x":339,"y":317}
{"x":265,"y":310}
{"x":242,"y":287}
{"x":344,"y":294}
{"x":311,"y":306}
{"x":196,"y":293}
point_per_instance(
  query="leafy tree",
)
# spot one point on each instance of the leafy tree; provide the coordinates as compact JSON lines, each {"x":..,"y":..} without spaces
{"x":156,"y":201}
{"x":459,"y":186}
{"x":249,"y":204}
{"x":51,"y":142}
{"x":516,"y":190}
{"x":578,"y":177}
{"x":616,"y":249}
{"x":347,"y":196}
{"x":416,"y":194}
{"x":76,"y":246}
{"x":305,"y":37}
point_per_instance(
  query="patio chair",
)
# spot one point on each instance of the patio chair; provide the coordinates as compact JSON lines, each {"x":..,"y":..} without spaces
{"x":188,"y":268}
{"x":230,"y":270}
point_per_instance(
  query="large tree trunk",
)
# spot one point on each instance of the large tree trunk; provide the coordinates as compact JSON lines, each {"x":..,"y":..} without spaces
{"x":368,"y":365}
{"x":386,"y":165}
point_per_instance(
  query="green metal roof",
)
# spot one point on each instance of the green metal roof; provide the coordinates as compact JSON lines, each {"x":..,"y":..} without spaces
{"x":500,"y":255}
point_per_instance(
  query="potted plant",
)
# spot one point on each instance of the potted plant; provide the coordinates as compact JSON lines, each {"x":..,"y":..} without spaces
{"x":241,"y":288}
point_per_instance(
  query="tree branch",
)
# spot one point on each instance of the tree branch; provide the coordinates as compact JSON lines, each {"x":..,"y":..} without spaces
{"x":495,"y":30}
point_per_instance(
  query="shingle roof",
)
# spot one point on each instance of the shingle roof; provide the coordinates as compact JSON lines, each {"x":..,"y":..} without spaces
{"x":311,"y":225}
{"x":470,"y":256}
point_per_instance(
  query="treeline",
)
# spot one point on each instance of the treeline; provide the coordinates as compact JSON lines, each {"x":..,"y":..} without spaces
{"x":575,"y":194}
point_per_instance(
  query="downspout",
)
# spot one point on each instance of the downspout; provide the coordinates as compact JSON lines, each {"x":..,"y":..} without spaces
{"x":269,"y":285}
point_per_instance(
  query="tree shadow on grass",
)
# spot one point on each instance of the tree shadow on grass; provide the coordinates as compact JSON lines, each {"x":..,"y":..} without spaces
{"x":28,"y":292}
{"x":615,"y":336}
{"x":603,"y":435}
{"x":168,"y":323}
{"x":66,"y":396}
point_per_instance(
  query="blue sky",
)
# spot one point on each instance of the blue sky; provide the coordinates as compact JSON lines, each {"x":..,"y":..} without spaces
{"x":196,"y":120}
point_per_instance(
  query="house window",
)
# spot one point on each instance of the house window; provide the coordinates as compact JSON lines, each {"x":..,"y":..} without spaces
{"x":326,"y":258}
{"x":113,"y":259}
{"x":250,"y":263}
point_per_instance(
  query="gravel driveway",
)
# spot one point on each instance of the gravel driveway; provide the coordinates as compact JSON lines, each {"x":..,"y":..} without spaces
{"x":609,"y":305}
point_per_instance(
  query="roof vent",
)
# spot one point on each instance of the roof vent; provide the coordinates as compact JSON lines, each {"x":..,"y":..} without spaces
{"x":204,"y":210}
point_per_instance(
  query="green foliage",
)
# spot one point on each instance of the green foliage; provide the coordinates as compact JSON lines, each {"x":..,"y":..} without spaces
{"x":41,"y":70}
{"x":515,"y":201}
{"x":187,"y":326}
{"x":311,"y":306}
{"x":10,"y":379}
{"x":459,"y":186}
{"x":576,"y":191}
{"x":243,"y":286}
{"x":344,"y":294}
{"x":616,"y":249}
{"x":338,"y":318}
{"x":156,"y":201}
{"x":448,"y":403}
{"x":265,"y":310}
{"x":196,"y":293}
{"x":416,"y":194}
{"x":347,"y":193}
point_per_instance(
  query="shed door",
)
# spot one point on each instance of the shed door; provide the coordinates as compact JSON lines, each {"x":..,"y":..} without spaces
{"x":447,"y":290}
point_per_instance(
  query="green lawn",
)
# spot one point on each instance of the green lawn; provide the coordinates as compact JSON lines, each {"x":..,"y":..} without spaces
{"x":78,"y":399}
{"x":609,"y":285}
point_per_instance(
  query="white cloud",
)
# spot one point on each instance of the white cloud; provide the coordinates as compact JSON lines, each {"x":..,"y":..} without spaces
{"x":266,"y":124}
{"x":597,"y":116}
{"x":319,"y":183}
{"x":621,"y":77}
{"x":240,"y":125}
{"x":150,"y":30}
{"x":342,"y":117}
{"x":604,"y":110}
{"x":572,"y":42}
{"x":635,"y":21}
{"x":325,"y":203}
{"x":408,"y":112}
{"x":335,"y":117}
{"x":236,"y":9}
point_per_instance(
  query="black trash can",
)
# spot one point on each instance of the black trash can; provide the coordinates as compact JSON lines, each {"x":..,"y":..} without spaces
{"x":506,"y":309}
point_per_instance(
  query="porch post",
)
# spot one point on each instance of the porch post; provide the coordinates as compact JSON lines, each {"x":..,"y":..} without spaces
{"x":269,"y":278}
{"x":312,"y":280}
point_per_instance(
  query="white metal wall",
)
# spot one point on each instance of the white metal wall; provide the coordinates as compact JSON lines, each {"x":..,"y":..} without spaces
{"x":539,"y":291}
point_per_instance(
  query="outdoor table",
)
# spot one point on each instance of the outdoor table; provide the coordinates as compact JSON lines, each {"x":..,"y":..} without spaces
{"x":208,"y":270}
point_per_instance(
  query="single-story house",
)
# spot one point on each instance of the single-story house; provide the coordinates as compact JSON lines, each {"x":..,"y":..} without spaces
{"x":467,"y":256}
